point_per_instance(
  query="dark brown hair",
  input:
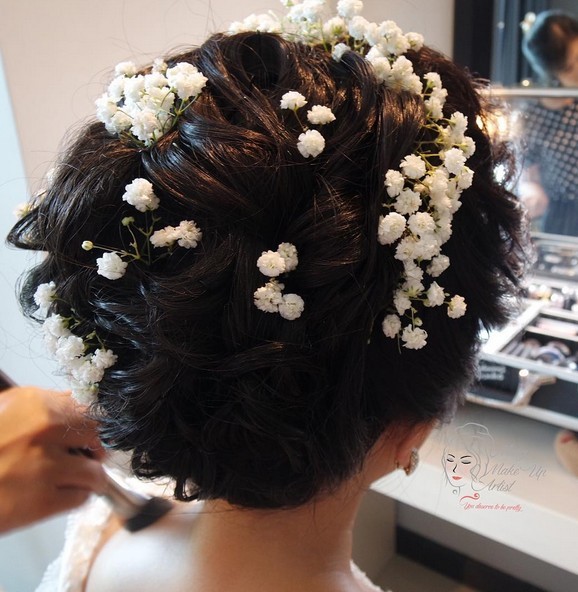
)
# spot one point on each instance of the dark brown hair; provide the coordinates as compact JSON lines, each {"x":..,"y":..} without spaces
{"x":232,"y":402}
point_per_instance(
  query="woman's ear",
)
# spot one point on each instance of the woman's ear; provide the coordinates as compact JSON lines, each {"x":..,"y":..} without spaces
{"x":409,"y":442}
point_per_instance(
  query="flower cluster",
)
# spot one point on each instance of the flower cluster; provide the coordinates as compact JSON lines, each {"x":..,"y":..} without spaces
{"x":310,"y":142}
{"x":141,"y":107}
{"x":424,"y":194}
{"x":82,"y":360}
{"x":140,"y":194}
{"x":270,"y":297}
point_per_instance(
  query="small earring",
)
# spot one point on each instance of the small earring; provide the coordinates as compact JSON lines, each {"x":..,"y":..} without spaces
{"x":413,"y":462}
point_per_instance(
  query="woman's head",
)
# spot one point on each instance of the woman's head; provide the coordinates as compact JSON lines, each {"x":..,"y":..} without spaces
{"x":231,"y":401}
{"x":551,"y":47}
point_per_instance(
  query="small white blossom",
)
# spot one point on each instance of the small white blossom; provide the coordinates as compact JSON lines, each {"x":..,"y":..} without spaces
{"x":435,"y":295}
{"x":465,"y":178}
{"x":56,"y":326}
{"x":188,"y":234}
{"x":357,"y":27}
{"x":69,"y":347}
{"x":413,"y":166}
{"x":390,"y":228}
{"x":291,"y":306}
{"x":289,"y":254}
{"x":391,"y":325}
{"x":320,"y":115}
{"x":44,"y":296}
{"x":434,"y":107}
{"x":401,"y":302}
{"x":421,"y":224}
{"x":349,"y":8}
{"x":407,"y":202}
{"x":394,"y":182}
{"x":146,"y":126}
{"x":82,"y":393}
{"x":415,"y":40}
{"x":87,"y":245}
{"x":310,"y":143}
{"x":269,"y":297}
{"x":140,"y":194}
{"x":187,"y":81}
{"x":406,"y":249}
{"x":165,"y":237}
{"x":457,"y":307}
{"x":334,"y":28}
{"x":339,"y":51}
{"x":381,"y":68}
{"x":271,"y":264}
{"x":413,"y":338}
{"x":454,"y":160}
{"x":111,"y":266}
{"x":87,"y":372}
{"x":104,"y":358}
{"x":293,"y":100}
{"x":125,"y":69}
{"x":438,"y":265}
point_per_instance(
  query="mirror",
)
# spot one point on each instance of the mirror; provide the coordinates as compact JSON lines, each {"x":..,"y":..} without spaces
{"x":541,"y":105}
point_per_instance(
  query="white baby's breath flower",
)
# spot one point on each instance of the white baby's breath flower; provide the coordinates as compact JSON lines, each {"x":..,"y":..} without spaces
{"x":401,"y":302}
{"x":312,"y":9}
{"x":310,"y":143}
{"x":146,"y":126}
{"x":467,"y":146}
{"x":159,"y":65}
{"x":434,"y":107}
{"x":435,"y":295}
{"x":86,"y":372}
{"x":406,"y":249}
{"x":56,"y":326}
{"x":140,"y":194}
{"x":271,"y":264}
{"x":269,"y":297}
{"x":454,"y":160}
{"x":390,"y":228}
{"x":111,"y":266}
{"x":291,"y":306}
{"x":334,"y":28}
{"x":125,"y":69}
{"x":349,"y":8}
{"x":339,"y":51}
{"x":320,"y":115}
{"x":394,"y":182}
{"x":391,"y":325}
{"x":407,"y":202}
{"x":413,"y":166}
{"x":357,"y":27}
{"x":438,"y":265}
{"x":293,"y":100}
{"x":87,"y":245}
{"x":415,"y":40}
{"x":188,"y":234}
{"x":381,"y":68}
{"x":457,"y":307}
{"x":69,"y":348}
{"x":82,"y":393}
{"x":44,"y":296}
{"x":104,"y":358}
{"x":186,"y":80}
{"x":421,"y":224}
{"x":289,"y":254}
{"x":165,"y":237}
{"x":413,"y":337}
{"x":465,"y":177}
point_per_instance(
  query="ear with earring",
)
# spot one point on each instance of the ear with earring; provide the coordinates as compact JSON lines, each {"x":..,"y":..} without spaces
{"x":411,"y":465}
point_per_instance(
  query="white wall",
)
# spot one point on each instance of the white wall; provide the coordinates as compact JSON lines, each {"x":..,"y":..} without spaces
{"x":59,"y":53}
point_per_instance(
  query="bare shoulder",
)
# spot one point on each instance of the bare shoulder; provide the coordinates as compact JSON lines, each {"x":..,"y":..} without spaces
{"x":154,"y":559}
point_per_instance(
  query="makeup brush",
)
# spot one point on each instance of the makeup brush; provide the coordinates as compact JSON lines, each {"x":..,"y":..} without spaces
{"x":137,"y":511}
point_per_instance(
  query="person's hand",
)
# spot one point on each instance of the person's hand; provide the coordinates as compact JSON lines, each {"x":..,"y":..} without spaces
{"x":40,"y":474}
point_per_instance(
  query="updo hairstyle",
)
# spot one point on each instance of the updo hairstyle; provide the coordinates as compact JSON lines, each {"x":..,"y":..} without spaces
{"x":229,"y":401}
{"x":545,"y":45}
